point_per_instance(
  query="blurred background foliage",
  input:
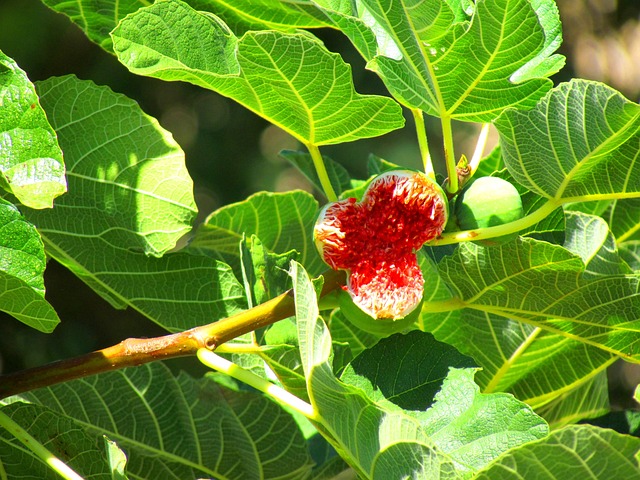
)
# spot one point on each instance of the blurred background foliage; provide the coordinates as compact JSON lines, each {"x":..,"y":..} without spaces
{"x":231,"y":153}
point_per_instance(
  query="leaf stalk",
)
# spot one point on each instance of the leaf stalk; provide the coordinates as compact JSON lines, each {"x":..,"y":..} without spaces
{"x":423,"y":142}
{"x":321,"y":170}
{"x":223,"y":365}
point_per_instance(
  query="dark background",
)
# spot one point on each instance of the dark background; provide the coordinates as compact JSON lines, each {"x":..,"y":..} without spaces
{"x":231,"y":153}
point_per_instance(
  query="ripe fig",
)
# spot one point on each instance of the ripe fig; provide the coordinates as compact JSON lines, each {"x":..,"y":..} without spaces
{"x":488,"y":202}
{"x":375,"y":240}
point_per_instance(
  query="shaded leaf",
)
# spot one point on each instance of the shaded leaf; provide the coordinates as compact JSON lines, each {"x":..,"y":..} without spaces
{"x":182,"y":427}
{"x":60,"y":435}
{"x":405,"y":369}
{"x":291,"y":80}
{"x":31,"y":164}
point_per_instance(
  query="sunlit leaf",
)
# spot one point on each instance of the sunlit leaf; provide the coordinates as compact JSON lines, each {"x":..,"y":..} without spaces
{"x":582,"y":450}
{"x":581,"y":142}
{"x":292,"y":80}
{"x":130,"y":195}
{"x":542,"y":285}
{"x":432,"y":59}
{"x":31,"y":165}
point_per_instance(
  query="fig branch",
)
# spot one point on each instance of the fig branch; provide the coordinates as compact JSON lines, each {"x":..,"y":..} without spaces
{"x":137,"y":351}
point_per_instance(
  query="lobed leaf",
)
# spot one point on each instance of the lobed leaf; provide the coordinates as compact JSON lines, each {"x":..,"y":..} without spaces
{"x":569,"y":453}
{"x":431,"y":58}
{"x":542,"y":285}
{"x":181,"y":427}
{"x":381,"y":440}
{"x":291,"y":80}
{"x":31,"y":164}
{"x":579,"y":143}
{"x":130,"y":197}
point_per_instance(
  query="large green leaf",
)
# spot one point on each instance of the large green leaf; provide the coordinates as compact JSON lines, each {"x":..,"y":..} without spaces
{"x":571,"y":453}
{"x":98,"y":19}
{"x":415,"y":371}
{"x":292,"y":80}
{"x":130,"y":195}
{"x":372,"y":439}
{"x":60,"y":435}
{"x":123,"y":162}
{"x":282,"y":221}
{"x":542,"y":285}
{"x":31,"y":166}
{"x":378,"y":438}
{"x":581,"y":142}
{"x":179,"y":427}
{"x":431,"y":58}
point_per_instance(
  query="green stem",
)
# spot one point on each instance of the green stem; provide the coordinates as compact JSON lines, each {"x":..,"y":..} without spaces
{"x":223,"y":365}
{"x":498,"y":230}
{"x":449,"y":155}
{"x":321,"y":170}
{"x":37,"y":448}
{"x":421,"y":133}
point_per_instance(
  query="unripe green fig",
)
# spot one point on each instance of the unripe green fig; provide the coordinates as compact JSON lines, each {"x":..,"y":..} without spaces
{"x":381,"y":327}
{"x":488,"y":202}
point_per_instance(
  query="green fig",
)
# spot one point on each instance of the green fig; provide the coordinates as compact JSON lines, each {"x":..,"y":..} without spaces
{"x":488,"y":202}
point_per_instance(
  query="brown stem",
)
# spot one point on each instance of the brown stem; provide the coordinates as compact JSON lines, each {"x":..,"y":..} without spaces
{"x":137,"y":351}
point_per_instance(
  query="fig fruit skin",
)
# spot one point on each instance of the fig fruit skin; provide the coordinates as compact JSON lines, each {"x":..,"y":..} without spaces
{"x":488,"y":202}
{"x":380,"y":327}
